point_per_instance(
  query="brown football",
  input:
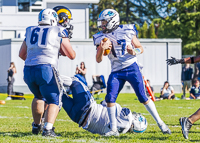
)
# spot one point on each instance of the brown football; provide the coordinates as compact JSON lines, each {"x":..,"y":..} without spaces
{"x":107,"y":51}
{"x":2,"y":102}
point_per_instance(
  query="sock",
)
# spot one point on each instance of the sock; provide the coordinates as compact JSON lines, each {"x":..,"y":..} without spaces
{"x":37,"y":125}
{"x":151,"y":108}
{"x":113,"y":120}
{"x":48,"y":126}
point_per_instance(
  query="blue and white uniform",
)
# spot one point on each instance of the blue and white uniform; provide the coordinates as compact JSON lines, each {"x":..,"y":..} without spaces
{"x":82,"y":104}
{"x":124,"y":65}
{"x":40,"y":71}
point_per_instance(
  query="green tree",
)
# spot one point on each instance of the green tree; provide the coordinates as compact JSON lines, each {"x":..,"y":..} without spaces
{"x":152,"y":33}
{"x":184,"y":23}
{"x":144,"y":30}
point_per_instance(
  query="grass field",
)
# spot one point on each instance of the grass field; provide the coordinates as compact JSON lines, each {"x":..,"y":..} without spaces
{"x":16,"y":119}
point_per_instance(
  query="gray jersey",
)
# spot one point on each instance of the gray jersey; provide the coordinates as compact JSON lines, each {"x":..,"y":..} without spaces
{"x":98,"y":120}
{"x":120,"y":38}
{"x":43,"y":44}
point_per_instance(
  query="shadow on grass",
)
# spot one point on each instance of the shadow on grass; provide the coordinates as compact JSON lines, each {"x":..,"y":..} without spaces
{"x":84,"y":134}
{"x":16,"y":134}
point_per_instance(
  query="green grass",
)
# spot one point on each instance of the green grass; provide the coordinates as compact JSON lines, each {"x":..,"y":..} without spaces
{"x":16,"y":119}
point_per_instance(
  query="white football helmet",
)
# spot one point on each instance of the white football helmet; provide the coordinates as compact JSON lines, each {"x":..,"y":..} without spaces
{"x":48,"y":17}
{"x":139,"y":123}
{"x":111,"y":17}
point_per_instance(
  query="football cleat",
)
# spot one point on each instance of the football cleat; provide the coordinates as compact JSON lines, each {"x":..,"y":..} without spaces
{"x":49,"y":133}
{"x":36,"y":128}
{"x":112,"y":133}
{"x":185,"y":126}
{"x":164,"y":128}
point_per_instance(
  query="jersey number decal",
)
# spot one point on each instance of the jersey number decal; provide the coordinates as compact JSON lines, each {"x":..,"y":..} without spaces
{"x":35,"y":35}
{"x":123,"y":43}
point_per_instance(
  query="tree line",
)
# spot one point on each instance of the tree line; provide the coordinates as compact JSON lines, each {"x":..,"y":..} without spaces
{"x":157,"y":19}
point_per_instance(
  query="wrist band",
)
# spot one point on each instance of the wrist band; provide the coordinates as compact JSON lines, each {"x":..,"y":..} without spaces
{"x":137,"y":51}
{"x":192,"y":59}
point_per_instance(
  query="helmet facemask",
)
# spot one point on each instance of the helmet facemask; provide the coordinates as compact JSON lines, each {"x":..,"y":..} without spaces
{"x":112,"y":19}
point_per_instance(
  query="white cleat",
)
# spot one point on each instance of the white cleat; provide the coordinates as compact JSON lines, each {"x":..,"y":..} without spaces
{"x":112,"y":133}
{"x":164,"y":128}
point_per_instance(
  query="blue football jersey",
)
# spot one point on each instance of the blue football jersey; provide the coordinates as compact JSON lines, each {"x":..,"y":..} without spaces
{"x":120,"y":39}
{"x":43,"y":44}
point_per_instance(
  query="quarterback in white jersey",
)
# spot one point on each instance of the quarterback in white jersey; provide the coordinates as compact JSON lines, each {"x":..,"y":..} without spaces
{"x":122,"y":42}
{"x":120,"y":38}
{"x":40,"y":51}
{"x":93,"y":117}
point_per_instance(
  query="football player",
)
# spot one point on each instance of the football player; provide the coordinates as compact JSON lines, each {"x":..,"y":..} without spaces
{"x":93,"y":117}
{"x":40,"y":50}
{"x":122,"y":42}
{"x":186,"y":123}
{"x":65,"y":15}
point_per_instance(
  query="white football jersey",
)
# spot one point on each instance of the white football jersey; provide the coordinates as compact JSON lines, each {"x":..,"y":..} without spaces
{"x":99,"y":123}
{"x":43,"y":44}
{"x":120,"y":38}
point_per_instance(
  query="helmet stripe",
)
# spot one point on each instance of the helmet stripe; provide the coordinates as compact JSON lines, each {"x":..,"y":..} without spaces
{"x":65,"y":11}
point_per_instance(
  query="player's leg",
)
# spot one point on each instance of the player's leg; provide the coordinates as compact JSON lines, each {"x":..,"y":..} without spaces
{"x":134,"y":77}
{"x":78,"y":106}
{"x":51,"y":90}
{"x":114,"y":86}
{"x":186,"y":123}
{"x":38,"y":101}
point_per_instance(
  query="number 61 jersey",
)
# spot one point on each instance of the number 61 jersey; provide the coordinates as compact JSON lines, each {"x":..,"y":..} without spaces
{"x":43,"y":44}
{"x":120,"y":38}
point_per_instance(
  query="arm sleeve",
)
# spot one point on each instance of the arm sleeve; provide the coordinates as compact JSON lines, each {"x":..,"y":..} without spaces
{"x":131,"y":30}
{"x":63,"y":33}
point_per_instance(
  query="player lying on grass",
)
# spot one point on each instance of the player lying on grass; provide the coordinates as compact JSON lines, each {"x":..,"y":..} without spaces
{"x":93,"y":117}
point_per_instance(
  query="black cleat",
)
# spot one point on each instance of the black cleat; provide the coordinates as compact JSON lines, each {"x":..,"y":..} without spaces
{"x":36,"y":128}
{"x":49,"y":133}
{"x":185,"y":126}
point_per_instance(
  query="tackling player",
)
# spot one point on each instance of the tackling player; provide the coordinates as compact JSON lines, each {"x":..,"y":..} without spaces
{"x":124,"y":46}
{"x":40,"y":51}
{"x":186,"y":123}
{"x":93,"y":117}
{"x":65,"y":15}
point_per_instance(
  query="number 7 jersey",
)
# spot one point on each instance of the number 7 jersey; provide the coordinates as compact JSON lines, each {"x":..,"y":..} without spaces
{"x":120,"y":38}
{"x":43,"y":44}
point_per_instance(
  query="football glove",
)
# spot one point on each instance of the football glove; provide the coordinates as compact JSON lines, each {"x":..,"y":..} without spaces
{"x":70,"y":30}
{"x":174,"y":61}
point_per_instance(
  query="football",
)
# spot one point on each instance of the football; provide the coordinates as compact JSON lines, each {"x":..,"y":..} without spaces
{"x":2,"y":102}
{"x":107,"y":51}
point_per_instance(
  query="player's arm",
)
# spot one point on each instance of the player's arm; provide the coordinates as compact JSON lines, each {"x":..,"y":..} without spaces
{"x":138,"y":47}
{"x":23,"y":51}
{"x":66,"y":49}
{"x":189,"y":60}
{"x":101,"y":48}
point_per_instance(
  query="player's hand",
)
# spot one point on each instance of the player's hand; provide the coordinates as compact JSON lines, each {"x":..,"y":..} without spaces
{"x":174,"y":61}
{"x":106,"y":45}
{"x":70,"y":30}
{"x":130,"y":50}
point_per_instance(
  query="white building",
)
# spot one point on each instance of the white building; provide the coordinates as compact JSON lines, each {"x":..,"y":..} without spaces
{"x":16,"y":15}
{"x":156,"y":51}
